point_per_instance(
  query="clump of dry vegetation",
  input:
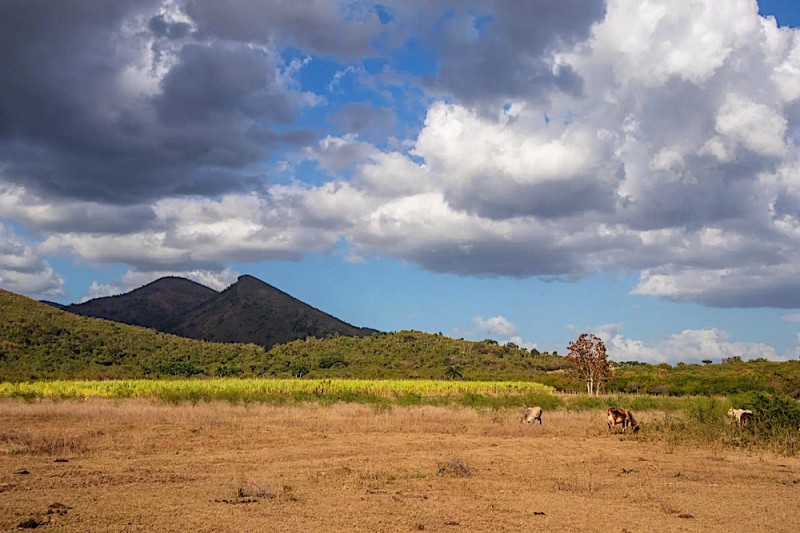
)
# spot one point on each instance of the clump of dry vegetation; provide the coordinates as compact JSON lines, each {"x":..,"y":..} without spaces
{"x":56,"y":441}
{"x":580,"y":483}
{"x":248,"y":491}
{"x":455,"y":467}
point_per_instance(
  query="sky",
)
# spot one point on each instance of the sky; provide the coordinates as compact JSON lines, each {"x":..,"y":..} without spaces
{"x":523,"y":171}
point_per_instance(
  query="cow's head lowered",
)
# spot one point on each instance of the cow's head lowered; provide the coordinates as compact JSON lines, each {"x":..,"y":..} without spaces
{"x":634,"y":425}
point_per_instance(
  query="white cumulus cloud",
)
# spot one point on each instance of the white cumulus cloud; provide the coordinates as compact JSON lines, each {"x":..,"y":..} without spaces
{"x":22,"y":269}
{"x":100,"y":290}
{"x":689,"y":346}
{"x":496,"y":325}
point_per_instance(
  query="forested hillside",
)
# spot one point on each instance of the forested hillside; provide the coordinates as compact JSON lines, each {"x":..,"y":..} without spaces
{"x":411,"y":354}
{"x":38,"y":341}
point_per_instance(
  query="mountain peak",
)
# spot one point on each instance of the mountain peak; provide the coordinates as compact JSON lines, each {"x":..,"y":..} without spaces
{"x":247,"y":278}
{"x":252,"y":310}
{"x":160,"y":304}
{"x":249,"y":311}
{"x":173,"y":281}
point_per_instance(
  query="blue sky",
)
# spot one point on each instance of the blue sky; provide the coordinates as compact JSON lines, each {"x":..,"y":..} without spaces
{"x":523,"y":171}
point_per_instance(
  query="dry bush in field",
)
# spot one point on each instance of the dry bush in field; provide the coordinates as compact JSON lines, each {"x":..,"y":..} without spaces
{"x":583,"y":483}
{"x":249,"y":489}
{"x":246,"y":491}
{"x":454,"y":467}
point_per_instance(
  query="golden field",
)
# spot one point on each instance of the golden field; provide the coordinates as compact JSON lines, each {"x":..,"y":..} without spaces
{"x":137,"y":465}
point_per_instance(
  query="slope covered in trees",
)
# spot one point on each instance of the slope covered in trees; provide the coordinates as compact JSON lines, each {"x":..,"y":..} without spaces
{"x":410,"y":354}
{"x":38,"y":341}
{"x":731,"y":376}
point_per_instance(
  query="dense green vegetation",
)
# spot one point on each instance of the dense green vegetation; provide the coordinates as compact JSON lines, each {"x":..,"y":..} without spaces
{"x":732,"y":376}
{"x":40,"y":342}
{"x":410,"y":354}
{"x":704,"y":420}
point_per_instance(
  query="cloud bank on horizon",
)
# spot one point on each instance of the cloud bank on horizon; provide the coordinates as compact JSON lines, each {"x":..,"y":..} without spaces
{"x":521,"y":138}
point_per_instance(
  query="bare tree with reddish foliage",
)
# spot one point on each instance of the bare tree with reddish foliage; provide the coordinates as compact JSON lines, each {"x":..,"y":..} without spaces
{"x":587,"y":355}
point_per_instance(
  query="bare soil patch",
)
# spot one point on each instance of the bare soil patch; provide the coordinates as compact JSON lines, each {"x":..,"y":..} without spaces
{"x":139,"y":466}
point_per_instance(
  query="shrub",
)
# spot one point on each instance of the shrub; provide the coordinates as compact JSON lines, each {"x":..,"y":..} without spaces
{"x":332,"y":362}
{"x":707,"y":410}
{"x":774,"y":411}
{"x":178,"y":368}
{"x":454,"y":467}
{"x":585,"y":403}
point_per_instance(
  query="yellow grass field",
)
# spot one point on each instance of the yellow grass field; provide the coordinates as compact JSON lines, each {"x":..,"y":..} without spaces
{"x":243,"y":390}
{"x":136,"y":465}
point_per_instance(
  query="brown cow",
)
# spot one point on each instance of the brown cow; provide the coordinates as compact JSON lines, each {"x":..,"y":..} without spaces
{"x":531,"y":415}
{"x":618,"y":415}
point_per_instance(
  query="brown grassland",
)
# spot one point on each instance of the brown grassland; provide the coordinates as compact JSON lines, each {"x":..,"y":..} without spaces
{"x":135,"y":465}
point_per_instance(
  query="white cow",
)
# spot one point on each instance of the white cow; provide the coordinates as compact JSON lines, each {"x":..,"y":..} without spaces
{"x":531,"y":415}
{"x":742,"y":416}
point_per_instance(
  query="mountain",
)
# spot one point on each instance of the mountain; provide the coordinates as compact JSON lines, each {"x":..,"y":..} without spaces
{"x":38,"y":341}
{"x":256,"y":312}
{"x":249,"y":311}
{"x":159,"y":305}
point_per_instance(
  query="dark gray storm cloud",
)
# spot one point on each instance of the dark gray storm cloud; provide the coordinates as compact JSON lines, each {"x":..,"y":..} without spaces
{"x":490,"y":50}
{"x":783,"y":294}
{"x":326,"y":27}
{"x":493,"y":258}
{"x":161,"y":27}
{"x":78,"y":119}
{"x":548,"y":199}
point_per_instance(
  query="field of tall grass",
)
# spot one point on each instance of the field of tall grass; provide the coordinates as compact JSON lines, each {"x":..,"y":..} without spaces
{"x":393,"y":392}
{"x":278,"y":391}
{"x":672,"y":419}
{"x":476,"y":394}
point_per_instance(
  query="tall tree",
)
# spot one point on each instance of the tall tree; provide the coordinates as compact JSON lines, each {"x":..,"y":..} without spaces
{"x":587,"y":354}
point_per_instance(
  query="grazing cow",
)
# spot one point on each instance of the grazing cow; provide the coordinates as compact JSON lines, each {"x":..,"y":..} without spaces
{"x":742,"y":416}
{"x":531,"y":415}
{"x":619,"y":416}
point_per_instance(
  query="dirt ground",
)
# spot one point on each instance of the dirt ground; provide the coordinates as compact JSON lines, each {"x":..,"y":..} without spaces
{"x":138,"y":466}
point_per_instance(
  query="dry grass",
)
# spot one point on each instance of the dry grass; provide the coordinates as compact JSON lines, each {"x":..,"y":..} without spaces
{"x":131,"y":464}
{"x":59,"y":441}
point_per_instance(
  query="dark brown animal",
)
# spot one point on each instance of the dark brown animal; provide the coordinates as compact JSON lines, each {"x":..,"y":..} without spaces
{"x":619,"y":416}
